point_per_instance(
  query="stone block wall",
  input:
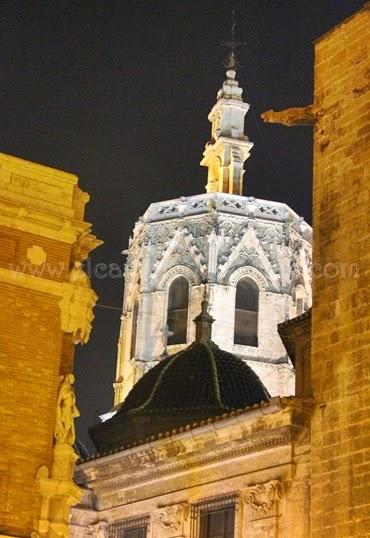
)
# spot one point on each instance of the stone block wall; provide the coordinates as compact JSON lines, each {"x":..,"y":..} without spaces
{"x":341,"y":316}
{"x":30,"y":352}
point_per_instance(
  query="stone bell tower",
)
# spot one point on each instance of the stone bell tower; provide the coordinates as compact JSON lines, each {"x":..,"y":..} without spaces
{"x":254,"y":254}
{"x":229,"y":147}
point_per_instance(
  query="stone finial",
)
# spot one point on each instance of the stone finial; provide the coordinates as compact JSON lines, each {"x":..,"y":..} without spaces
{"x":203,"y":322}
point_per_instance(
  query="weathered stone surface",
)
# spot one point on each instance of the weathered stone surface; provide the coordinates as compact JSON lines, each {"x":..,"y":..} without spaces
{"x":340,"y":314}
{"x":221,"y":237}
{"x":260,"y":457}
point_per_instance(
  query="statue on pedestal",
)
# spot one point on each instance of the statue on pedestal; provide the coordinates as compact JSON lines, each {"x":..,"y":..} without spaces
{"x":66,"y":412}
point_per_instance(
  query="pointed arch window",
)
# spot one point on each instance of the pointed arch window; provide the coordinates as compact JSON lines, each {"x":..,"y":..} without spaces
{"x":246,"y":313}
{"x":177,"y":311}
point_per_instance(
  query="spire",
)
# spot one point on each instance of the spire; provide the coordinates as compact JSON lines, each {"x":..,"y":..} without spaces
{"x":203,"y":322}
{"x":229,"y":147}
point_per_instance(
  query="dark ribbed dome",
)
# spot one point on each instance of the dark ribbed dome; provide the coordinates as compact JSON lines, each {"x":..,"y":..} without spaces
{"x":199,"y":377}
{"x":197,"y":383}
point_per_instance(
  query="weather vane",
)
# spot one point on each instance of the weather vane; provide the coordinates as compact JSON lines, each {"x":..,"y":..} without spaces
{"x":232,"y":45}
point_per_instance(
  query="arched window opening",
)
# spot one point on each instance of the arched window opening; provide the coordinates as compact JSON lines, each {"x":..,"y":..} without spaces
{"x":177,"y":311}
{"x":246,"y":313}
{"x":300,"y":300}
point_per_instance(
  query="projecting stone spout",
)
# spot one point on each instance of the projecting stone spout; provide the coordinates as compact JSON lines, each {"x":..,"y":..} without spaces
{"x":292,"y":117}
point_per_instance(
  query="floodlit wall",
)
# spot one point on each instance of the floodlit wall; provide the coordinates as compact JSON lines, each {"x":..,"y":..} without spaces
{"x":341,"y":314}
{"x":44,"y":311}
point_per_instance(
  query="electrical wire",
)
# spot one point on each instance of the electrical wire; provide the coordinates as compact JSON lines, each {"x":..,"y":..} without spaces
{"x":265,"y":145}
{"x":107,"y":306}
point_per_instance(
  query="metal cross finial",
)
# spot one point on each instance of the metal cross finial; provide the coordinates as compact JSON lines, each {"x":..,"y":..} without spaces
{"x":231,"y":61}
{"x":205,"y":294}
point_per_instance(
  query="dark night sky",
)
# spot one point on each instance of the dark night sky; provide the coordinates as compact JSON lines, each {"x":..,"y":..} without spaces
{"x":118,"y":92}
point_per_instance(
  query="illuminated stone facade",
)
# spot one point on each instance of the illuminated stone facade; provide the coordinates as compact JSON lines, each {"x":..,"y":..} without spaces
{"x":220,"y":237}
{"x":293,"y":467}
{"x":341,"y":315}
{"x":46,"y":308}
{"x":340,"y":492}
{"x":165,"y":484}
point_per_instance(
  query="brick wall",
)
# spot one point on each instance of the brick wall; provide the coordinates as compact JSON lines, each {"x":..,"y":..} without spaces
{"x":341,"y":314}
{"x":30,"y":350}
{"x":14,"y":247}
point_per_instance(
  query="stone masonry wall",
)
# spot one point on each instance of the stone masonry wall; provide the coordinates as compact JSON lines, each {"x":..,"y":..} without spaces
{"x":44,"y":311}
{"x":341,"y":315}
{"x":30,"y":361}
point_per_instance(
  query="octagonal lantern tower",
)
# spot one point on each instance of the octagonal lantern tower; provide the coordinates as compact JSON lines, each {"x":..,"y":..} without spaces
{"x":255,"y":256}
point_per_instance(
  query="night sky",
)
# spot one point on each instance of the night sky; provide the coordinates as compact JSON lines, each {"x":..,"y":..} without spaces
{"x":118,"y":92}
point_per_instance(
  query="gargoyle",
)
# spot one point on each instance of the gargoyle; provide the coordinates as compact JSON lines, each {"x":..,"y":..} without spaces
{"x":292,"y":117}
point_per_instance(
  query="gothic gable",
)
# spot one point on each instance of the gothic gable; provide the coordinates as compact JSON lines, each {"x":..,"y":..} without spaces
{"x":249,"y":252}
{"x":181,"y":250}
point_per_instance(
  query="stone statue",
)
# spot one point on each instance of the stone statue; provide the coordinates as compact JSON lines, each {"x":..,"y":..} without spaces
{"x":78,"y":277}
{"x":66,"y":411}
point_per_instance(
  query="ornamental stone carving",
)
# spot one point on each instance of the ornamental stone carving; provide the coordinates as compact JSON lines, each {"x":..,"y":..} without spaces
{"x":76,"y":306}
{"x":179,"y":270}
{"x":263,"y":497}
{"x":250,"y":272}
{"x":218,"y":237}
{"x":99,"y":530}
{"x":36,"y":255}
{"x":169,"y":520}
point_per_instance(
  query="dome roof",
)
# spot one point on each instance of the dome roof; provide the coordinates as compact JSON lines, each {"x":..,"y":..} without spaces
{"x":199,"y":382}
{"x":200,"y":377}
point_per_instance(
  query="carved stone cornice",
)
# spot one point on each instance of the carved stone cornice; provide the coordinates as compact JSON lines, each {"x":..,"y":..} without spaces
{"x":44,"y":201}
{"x":254,"y":445}
{"x":147,"y":471}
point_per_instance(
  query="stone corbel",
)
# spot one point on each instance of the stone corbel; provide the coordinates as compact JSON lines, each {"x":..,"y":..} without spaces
{"x":170,"y":521}
{"x":57,"y":496}
{"x":85,"y":243}
{"x":292,"y":117}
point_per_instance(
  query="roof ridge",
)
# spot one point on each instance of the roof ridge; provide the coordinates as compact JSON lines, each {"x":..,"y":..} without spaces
{"x":171,"y":360}
{"x":215,"y":374}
